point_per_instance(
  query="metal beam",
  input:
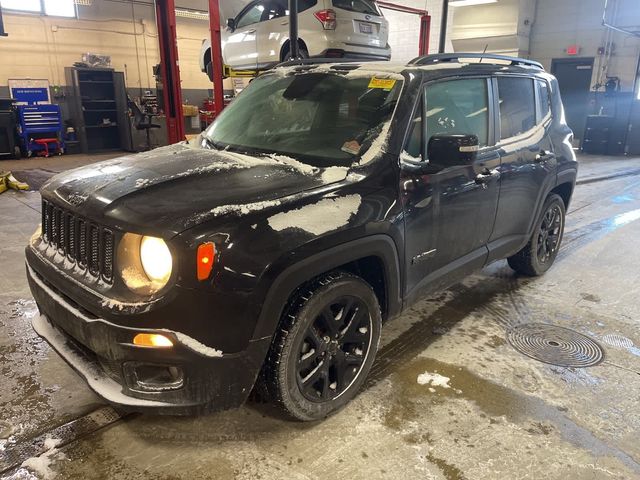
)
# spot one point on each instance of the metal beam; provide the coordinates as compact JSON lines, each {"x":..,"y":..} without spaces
{"x":170,"y":70}
{"x":216,"y":55}
{"x":443,"y":26}
{"x":293,"y":30}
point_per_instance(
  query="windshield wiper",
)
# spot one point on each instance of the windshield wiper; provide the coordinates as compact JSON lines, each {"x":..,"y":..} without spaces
{"x":211,"y":144}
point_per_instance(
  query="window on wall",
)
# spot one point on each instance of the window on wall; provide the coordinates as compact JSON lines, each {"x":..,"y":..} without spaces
{"x":57,"y":8}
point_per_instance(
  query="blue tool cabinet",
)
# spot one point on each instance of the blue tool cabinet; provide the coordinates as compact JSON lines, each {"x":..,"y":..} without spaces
{"x":37,"y":123}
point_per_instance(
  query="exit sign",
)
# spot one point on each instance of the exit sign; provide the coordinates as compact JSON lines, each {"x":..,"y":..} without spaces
{"x":573,"y":49}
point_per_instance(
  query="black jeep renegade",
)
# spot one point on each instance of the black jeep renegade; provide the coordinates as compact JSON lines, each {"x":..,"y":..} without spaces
{"x":269,"y":251}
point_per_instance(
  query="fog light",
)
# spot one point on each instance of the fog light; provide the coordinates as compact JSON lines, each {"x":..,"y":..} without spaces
{"x":152,"y":340}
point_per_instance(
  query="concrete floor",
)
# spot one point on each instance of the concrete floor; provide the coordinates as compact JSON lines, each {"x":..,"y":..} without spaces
{"x":505,"y":415}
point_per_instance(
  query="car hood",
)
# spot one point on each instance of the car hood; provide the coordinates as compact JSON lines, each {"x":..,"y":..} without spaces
{"x":170,"y":189}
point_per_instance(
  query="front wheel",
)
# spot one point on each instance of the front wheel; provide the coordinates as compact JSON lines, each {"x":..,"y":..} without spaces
{"x":324,"y":348}
{"x":541,"y":251}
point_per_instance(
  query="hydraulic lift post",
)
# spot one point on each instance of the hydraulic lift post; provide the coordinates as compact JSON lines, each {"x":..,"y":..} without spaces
{"x":216,"y":55}
{"x":170,"y":70}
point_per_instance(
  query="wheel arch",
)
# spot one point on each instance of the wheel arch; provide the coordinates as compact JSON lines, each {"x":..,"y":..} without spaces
{"x":565,"y":191}
{"x":285,"y":47}
{"x":373,"y":258}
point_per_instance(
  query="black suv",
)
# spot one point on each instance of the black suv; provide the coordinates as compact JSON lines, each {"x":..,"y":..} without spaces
{"x":267,"y":253}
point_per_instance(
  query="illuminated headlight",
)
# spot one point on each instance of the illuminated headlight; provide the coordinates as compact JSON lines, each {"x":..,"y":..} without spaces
{"x":156,"y":259}
{"x":145,"y":263}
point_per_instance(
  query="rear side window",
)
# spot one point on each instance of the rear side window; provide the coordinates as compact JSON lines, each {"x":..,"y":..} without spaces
{"x":544,"y":100}
{"x":251,"y":16}
{"x":361,"y":6}
{"x":458,"y":107}
{"x":302,"y":5}
{"x":517,"y":106}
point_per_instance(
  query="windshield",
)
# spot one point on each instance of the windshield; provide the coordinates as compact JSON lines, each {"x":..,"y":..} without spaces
{"x":322,"y":119}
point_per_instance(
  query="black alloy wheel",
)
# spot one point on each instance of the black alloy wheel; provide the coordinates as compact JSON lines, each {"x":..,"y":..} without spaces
{"x":324,"y":347}
{"x":334,"y":349}
{"x":550,"y":233}
{"x":537,"y":256}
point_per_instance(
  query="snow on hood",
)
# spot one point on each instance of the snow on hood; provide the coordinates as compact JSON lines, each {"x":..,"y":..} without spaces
{"x":173,"y":188}
{"x":318,"y":218}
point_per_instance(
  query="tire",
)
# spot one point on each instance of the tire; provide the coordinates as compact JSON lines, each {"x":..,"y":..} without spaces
{"x":541,"y":251}
{"x":324,"y":347}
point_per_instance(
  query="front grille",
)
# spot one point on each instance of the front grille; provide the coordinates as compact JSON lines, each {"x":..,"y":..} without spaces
{"x":86,"y":244}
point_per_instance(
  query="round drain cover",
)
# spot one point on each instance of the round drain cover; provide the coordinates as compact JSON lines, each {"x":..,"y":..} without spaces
{"x":555,"y":345}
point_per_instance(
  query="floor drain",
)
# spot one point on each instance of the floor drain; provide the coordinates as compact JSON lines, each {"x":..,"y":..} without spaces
{"x":555,"y":345}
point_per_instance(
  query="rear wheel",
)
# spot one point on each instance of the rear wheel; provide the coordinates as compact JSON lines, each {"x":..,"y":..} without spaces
{"x":541,"y":251}
{"x":324,"y":348}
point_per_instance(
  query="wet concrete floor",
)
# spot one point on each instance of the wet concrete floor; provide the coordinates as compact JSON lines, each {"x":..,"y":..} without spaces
{"x":499,"y":415}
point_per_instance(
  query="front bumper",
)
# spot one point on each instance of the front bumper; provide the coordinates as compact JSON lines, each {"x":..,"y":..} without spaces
{"x":104,"y":354}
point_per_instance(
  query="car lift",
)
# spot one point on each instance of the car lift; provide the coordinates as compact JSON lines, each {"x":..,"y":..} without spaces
{"x":170,"y":70}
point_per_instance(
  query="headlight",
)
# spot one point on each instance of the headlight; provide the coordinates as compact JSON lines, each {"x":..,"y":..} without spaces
{"x":156,"y":259}
{"x":145,"y":263}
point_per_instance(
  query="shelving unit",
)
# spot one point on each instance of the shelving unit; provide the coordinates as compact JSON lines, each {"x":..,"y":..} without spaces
{"x":100,"y":108}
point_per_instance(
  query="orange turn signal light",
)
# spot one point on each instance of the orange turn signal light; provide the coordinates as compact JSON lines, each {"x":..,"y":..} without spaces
{"x":152,"y":340}
{"x":206,"y":258}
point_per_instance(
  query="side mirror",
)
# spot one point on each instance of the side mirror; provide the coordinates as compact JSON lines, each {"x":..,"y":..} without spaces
{"x":452,"y":150}
{"x":231,"y":24}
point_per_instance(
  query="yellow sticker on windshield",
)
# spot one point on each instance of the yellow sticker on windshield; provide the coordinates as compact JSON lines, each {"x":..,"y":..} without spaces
{"x":384,"y":83}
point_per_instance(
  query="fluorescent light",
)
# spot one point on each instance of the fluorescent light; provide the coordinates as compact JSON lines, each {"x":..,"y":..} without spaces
{"x":193,"y":14}
{"x":468,"y":3}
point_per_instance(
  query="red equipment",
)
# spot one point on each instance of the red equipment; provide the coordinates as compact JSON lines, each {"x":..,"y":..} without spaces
{"x":169,"y":70}
{"x":45,"y":143}
{"x":216,"y":54}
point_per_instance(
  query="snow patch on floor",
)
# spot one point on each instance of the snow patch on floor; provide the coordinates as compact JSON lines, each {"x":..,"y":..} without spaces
{"x":41,"y":465}
{"x":433,"y":379}
{"x":319,"y":218}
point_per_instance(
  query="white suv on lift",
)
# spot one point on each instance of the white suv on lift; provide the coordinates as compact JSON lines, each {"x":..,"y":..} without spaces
{"x":258,"y":37}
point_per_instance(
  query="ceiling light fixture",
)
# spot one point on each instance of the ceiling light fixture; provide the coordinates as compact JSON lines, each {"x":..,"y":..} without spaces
{"x":193,"y":14}
{"x":468,"y":3}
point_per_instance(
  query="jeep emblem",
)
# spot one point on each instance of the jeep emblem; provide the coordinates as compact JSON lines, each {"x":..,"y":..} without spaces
{"x":75,"y":199}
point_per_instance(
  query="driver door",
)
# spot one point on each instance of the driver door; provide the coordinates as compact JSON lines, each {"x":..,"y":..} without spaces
{"x":240,"y":50}
{"x":449,"y":210}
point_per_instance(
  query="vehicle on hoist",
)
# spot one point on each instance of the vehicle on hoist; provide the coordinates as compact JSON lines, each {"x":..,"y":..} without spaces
{"x":258,"y":37}
{"x":268,"y":253}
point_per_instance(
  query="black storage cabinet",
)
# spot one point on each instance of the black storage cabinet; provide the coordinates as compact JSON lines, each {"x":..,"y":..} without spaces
{"x":8,"y":123}
{"x":99,"y":108}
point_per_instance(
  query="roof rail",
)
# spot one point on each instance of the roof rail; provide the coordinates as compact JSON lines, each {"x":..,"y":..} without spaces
{"x":455,"y":58}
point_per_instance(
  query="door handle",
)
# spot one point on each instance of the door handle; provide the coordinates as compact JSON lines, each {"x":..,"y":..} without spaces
{"x":285,"y":23}
{"x":248,"y":32}
{"x":544,"y":156}
{"x":486,"y":176}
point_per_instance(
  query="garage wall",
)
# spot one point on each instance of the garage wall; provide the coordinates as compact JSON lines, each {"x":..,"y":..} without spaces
{"x":569,"y":22}
{"x":40,"y":46}
{"x":404,"y":29}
